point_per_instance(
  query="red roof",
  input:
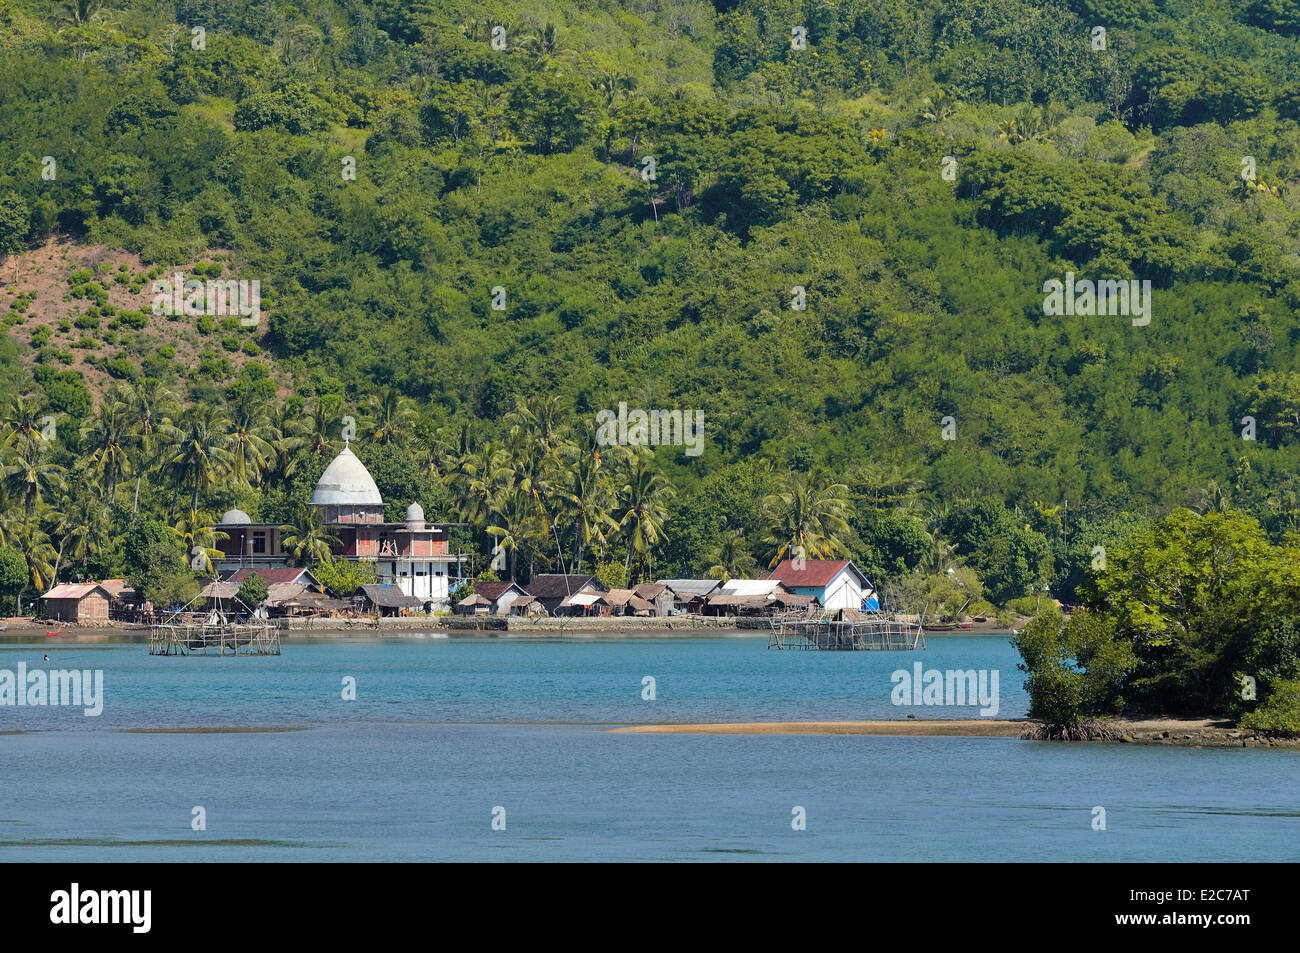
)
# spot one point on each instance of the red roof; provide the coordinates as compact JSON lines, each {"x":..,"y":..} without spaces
{"x":815,"y":573}
{"x":271,"y":576}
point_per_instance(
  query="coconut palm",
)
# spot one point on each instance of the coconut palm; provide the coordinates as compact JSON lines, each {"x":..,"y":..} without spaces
{"x":106,"y":440}
{"x":324,"y":426}
{"x":150,"y":407}
{"x":81,"y":12}
{"x":24,"y":420}
{"x":197,"y":451}
{"x":643,"y":503}
{"x":584,"y":494}
{"x":540,"y":422}
{"x":1214,"y":498}
{"x":730,"y":556}
{"x":30,"y":477}
{"x":33,"y":544}
{"x":514,"y":517}
{"x":251,"y":441}
{"x":82,"y":529}
{"x":309,"y":540}
{"x":199,"y":538}
{"x":938,"y":556}
{"x":806,"y":518}
{"x":391,"y":416}
{"x":288,"y":435}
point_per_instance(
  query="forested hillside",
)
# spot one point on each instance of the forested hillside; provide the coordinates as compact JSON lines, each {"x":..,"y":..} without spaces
{"x":453,"y":207}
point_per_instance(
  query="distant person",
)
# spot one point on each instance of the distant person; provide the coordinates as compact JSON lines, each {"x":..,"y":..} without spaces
{"x":47,"y":656}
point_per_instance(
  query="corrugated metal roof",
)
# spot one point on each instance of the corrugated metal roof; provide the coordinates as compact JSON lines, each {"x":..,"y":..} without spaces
{"x":749,"y":587}
{"x":690,"y":587}
{"x":74,"y":590}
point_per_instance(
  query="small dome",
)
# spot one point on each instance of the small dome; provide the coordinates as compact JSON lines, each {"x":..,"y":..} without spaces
{"x":346,"y":482}
{"x":234,"y":518}
{"x":415,"y":513}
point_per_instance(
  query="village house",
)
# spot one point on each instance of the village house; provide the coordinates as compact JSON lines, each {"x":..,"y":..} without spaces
{"x":570,"y":594}
{"x":387,"y":600}
{"x":658,"y":595}
{"x":491,"y":598}
{"x":835,"y":583}
{"x":690,"y":595}
{"x":77,"y":602}
{"x":412,"y":556}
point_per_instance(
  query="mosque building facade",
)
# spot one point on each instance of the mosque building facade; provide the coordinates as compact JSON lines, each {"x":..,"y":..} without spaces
{"x":413,"y":556}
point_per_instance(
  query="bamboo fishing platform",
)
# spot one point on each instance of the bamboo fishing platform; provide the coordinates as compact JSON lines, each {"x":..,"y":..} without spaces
{"x":216,"y":639}
{"x":844,"y":630}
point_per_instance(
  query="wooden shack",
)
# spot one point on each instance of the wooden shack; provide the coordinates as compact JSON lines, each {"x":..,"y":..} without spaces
{"x":77,"y":602}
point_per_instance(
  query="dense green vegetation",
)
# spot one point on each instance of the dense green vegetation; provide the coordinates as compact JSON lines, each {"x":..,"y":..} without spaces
{"x":389,"y":176}
{"x":1196,"y":614}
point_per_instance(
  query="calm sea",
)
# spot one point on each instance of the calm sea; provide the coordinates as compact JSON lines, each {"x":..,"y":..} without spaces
{"x":446,"y":734}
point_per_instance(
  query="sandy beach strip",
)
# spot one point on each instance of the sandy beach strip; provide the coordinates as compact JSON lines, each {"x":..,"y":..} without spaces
{"x":952,"y":728}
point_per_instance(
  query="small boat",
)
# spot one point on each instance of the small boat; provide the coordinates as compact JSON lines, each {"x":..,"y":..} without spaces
{"x":965,"y":625}
{"x":944,"y":627}
{"x":53,"y":635}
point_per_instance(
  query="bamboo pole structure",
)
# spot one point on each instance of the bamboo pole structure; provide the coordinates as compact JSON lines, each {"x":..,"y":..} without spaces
{"x":874,"y":631}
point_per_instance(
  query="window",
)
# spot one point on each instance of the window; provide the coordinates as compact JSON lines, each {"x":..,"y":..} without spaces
{"x":259,"y":541}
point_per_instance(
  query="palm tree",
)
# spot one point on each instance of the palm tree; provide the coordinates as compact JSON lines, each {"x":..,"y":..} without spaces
{"x":33,"y":544}
{"x":541,"y":422}
{"x":514,"y":515}
{"x":392,"y":416}
{"x":323,"y":423}
{"x":82,"y":529}
{"x":938,"y":109}
{"x":643,"y":501}
{"x":106,"y":439}
{"x":806,"y":519}
{"x":81,"y":12}
{"x":199,"y":538}
{"x":251,"y":437}
{"x":937,"y":557}
{"x":23,"y":420}
{"x":584,"y":494}
{"x":730,"y":557}
{"x":198,"y":453}
{"x":150,"y":406}
{"x":31,"y":478}
{"x":310,"y":540}
{"x":288,"y":436}
{"x":1214,"y":498}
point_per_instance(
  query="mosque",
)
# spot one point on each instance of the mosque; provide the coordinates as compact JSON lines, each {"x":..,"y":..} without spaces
{"x":412,"y":556}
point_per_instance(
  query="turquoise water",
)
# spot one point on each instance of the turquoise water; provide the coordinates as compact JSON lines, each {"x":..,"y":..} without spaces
{"x":445,"y":730}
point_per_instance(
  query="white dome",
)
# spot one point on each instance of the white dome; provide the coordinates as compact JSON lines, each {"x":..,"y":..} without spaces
{"x":234,"y":518}
{"x":415,"y":513}
{"x":346,"y":482}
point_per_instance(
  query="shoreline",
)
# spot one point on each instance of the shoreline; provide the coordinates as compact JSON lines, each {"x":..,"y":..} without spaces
{"x":408,"y":627}
{"x":1175,"y":732}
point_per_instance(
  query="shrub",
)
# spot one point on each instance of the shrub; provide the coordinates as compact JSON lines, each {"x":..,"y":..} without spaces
{"x":1279,"y":714}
